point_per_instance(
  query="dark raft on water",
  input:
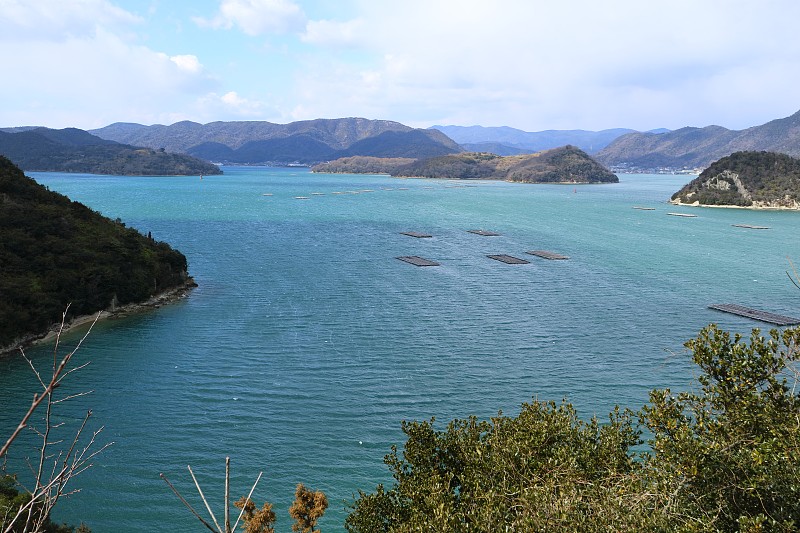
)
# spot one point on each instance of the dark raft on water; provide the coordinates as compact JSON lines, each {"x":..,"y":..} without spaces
{"x":55,"y":252}
{"x":508,"y":259}
{"x":418,"y":261}
{"x":755,"y":314}
{"x":548,"y":255}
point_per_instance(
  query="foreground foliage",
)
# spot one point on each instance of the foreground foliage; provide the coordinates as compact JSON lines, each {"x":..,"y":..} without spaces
{"x":55,"y":252}
{"x":723,"y":458}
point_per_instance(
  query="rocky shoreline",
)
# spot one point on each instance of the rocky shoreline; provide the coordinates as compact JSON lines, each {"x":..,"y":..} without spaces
{"x":163,"y":298}
{"x":757,"y":206}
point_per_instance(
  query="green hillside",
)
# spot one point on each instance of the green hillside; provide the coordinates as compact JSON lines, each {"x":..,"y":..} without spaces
{"x":74,"y":150}
{"x":56,"y":252}
{"x":567,"y":164}
{"x":746,"y":179}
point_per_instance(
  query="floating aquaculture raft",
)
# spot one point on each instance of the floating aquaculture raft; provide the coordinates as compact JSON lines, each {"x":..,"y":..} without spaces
{"x":416,"y":234}
{"x":508,"y":259}
{"x":484,"y":233}
{"x":763,"y":316}
{"x":418,"y":261}
{"x":546,"y":254}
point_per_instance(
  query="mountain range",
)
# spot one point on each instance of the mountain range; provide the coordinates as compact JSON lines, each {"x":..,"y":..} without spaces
{"x":504,"y":140}
{"x":312,"y":141}
{"x":303,"y":142}
{"x":691,"y":148}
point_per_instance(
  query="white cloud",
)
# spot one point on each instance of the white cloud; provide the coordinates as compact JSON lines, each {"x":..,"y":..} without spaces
{"x":333,"y":33}
{"x":571,"y":64}
{"x":85,"y":74}
{"x":529,"y":64}
{"x":187,"y":63}
{"x":231,"y":105}
{"x":57,"y":20}
{"x":256,"y":17}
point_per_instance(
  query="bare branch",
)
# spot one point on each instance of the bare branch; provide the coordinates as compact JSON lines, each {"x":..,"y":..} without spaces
{"x":202,"y":496}
{"x":178,"y":494}
{"x":227,"y":494}
{"x":57,"y":370}
{"x":50,"y":483}
{"x":241,"y":513}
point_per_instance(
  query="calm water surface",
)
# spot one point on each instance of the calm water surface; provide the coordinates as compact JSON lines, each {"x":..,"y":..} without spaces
{"x":307,"y":342}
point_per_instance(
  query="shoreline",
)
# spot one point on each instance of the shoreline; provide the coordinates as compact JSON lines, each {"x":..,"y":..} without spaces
{"x":168,"y":296}
{"x":750,"y":207}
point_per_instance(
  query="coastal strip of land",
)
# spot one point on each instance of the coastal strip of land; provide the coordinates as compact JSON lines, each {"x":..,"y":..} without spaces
{"x":168,"y":296}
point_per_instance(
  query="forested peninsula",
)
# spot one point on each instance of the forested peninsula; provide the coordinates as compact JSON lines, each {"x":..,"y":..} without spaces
{"x":567,"y":164}
{"x":759,"y":180}
{"x":74,"y":150}
{"x":55,"y":253}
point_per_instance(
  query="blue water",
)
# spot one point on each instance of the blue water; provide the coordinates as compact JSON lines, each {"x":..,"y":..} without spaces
{"x":307,"y":343}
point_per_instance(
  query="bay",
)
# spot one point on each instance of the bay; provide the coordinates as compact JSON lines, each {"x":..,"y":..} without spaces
{"x":307,"y":342}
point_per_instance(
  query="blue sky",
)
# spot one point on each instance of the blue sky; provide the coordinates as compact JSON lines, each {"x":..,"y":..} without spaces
{"x":529,"y":64}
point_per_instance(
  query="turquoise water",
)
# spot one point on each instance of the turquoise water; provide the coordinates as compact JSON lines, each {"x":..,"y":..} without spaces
{"x":307,"y":342}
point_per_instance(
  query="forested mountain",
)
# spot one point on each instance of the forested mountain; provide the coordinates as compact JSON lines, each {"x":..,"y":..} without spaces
{"x":567,"y":164}
{"x":74,"y":150}
{"x":506,"y":140}
{"x":306,"y":142}
{"x":55,"y":252}
{"x":746,"y":179}
{"x":699,"y":147}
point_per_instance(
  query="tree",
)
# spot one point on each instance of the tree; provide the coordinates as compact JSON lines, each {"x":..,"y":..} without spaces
{"x":723,"y":458}
{"x":256,"y":520}
{"x":544,"y":470}
{"x":729,"y":454}
{"x":308,"y":507}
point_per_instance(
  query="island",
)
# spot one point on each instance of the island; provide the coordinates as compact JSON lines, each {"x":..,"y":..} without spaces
{"x":75,"y":150}
{"x":567,"y":164}
{"x":57,"y":254}
{"x":756,"y":180}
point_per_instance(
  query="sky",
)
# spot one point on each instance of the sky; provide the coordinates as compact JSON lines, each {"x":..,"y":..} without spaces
{"x":529,"y":64}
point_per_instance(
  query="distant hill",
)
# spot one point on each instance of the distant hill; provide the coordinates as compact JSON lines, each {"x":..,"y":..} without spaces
{"x":495,"y":148}
{"x":360,"y":164}
{"x":505,"y":139}
{"x":55,"y":252}
{"x":746,"y":179}
{"x":688,"y":148}
{"x":306,"y":142}
{"x":560,"y":165}
{"x":74,"y":150}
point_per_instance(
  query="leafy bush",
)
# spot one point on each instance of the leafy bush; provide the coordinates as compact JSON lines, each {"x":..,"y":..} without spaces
{"x":724,"y":458}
